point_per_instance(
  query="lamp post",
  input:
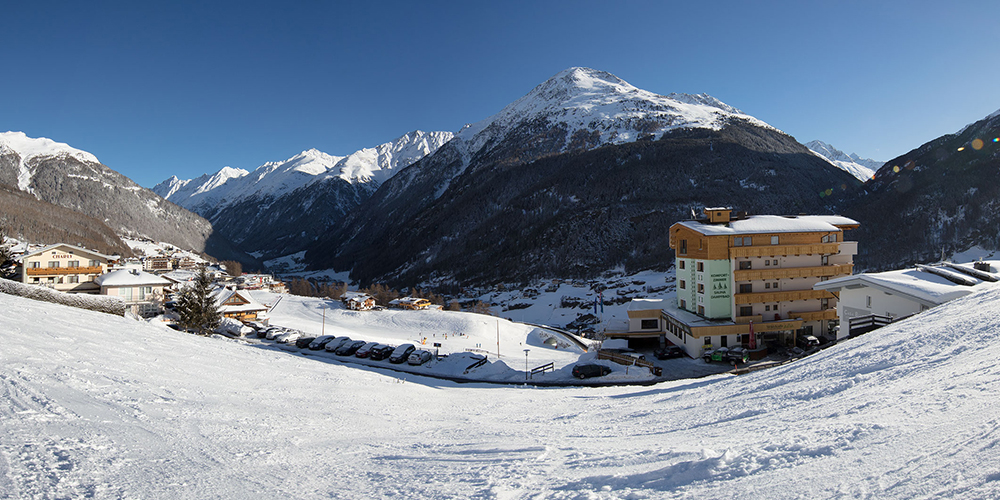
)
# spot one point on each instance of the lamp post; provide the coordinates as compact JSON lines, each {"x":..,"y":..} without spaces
{"x":526,"y":372}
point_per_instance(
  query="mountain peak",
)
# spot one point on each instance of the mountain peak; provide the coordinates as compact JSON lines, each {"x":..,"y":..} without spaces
{"x":861,"y":168}
{"x":28,"y":147}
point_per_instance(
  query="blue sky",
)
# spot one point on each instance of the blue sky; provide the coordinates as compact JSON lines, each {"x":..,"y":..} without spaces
{"x":184,"y":88}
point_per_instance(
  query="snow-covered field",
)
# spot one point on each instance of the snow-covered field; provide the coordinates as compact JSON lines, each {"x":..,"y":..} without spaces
{"x":98,"y":406}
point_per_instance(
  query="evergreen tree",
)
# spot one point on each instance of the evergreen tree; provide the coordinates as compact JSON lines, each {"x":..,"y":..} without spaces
{"x":196,"y":306}
{"x":6,"y":256}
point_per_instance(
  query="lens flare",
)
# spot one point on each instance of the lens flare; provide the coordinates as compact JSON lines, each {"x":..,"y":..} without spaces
{"x":895,"y":169}
{"x":977,"y":144}
{"x":961,"y":148}
{"x":996,"y":139}
{"x":829,"y":191}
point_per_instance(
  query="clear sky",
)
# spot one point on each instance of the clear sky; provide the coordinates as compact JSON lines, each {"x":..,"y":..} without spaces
{"x":155,"y":89}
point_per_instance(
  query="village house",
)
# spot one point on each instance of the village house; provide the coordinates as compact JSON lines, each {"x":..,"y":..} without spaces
{"x":870,"y":300}
{"x":357,"y":301}
{"x":142,"y":292}
{"x":412,"y":303}
{"x":238,"y":304}
{"x":64,"y":267}
{"x":748,"y":281}
{"x":158,"y":263}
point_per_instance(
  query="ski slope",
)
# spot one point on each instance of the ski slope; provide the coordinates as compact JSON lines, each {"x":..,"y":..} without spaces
{"x":93,"y":405}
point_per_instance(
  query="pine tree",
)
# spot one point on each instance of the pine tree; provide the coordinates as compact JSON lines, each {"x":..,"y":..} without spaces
{"x":196,"y":306}
{"x":6,"y":255}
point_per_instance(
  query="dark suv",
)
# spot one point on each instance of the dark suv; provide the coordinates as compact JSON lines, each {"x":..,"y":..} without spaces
{"x":590,"y":370}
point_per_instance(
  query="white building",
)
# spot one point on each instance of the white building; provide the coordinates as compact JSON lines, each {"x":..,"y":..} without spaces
{"x":141,"y":291}
{"x":897,"y":294}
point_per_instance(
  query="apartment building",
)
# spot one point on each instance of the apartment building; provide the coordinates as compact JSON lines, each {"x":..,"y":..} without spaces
{"x":64,"y":267}
{"x":738,"y":274}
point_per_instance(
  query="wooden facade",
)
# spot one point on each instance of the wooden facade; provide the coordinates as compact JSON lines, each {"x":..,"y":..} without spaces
{"x":64,"y":267}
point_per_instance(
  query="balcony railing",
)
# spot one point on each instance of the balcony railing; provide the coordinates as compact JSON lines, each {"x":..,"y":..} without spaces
{"x":773,"y":250}
{"x":793,"y":272}
{"x":814,"y":315}
{"x":62,"y":271}
{"x":759,"y":298}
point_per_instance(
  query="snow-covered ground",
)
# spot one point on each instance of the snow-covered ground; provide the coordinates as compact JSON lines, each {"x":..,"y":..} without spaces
{"x":99,"y":406}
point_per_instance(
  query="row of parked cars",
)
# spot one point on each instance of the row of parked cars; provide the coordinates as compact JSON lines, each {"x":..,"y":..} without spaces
{"x":345,"y":346}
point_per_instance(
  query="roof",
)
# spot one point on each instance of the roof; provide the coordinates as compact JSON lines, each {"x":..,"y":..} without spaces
{"x":647,"y":304}
{"x":129,"y":277}
{"x":756,"y":224}
{"x":925,"y":284}
{"x":67,"y":245}
{"x":222,"y":294}
{"x":355,"y":296}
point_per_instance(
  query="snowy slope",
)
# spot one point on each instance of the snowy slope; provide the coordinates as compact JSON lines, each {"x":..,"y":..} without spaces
{"x":99,"y":406}
{"x":28,"y":148}
{"x":587,"y":100}
{"x":210,"y":193}
{"x":862,"y":168}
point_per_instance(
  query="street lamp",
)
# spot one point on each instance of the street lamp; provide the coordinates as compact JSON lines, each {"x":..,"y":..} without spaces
{"x":526,"y":372}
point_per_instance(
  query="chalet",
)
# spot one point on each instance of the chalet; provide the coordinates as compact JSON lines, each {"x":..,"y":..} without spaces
{"x":412,"y":303}
{"x":238,"y":304}
{"x":869,"y":300}
{"x":357,"y":301}
{"x":141,"y":291}
{"x":748,"y":280}
{"x":159,"y":263}
{"x":64,"y":267}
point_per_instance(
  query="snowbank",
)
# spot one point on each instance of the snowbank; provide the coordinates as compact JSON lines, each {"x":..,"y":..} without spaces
{"x":99,"y":303}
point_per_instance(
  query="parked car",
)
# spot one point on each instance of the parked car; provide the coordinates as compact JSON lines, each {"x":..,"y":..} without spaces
{"x":336,"y":343}
{"x":274,"y":331}
{"x":349,"y":348}
{"x":419,"y":357}
{"x":303,"y":342}
{"x":806,"y":341}
{"x":587,"y":370}
{"x":668,"y":352}
{"x":737,"y":355}
{"x":320,"y":342}
{"x":720,"y":354}
{"x":381,"y":352}
{"x":402,"y":353}
{"x":288,"y":337}
{"x":365,"y":350}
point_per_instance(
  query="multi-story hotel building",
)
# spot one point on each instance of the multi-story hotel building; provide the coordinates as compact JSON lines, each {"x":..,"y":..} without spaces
{"x":740,"y":272}
{"x":64,"y":267}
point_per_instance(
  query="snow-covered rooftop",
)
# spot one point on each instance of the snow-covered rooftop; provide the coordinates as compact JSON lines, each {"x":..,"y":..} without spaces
{"x":917,"y":283}
{"x":757,"y":224}
{"x":129,"y":277}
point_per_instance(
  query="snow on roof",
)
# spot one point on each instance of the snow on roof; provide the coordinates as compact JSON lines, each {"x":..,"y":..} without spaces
{"x":757,"y":224}
{"x":129,"y":277}
{"x":647,"y":304}
{"x":355,"y":296}
{"x":222,"y":294}
{"x":921,"y":285}
{"x":67,"y":245}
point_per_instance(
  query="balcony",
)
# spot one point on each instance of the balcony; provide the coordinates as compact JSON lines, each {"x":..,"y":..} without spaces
{"x":760,"y":298}
{"x":62,"y":271}
{"x":815,"y":315}
{"x":793,"y":272}
{"x":773,"y":250}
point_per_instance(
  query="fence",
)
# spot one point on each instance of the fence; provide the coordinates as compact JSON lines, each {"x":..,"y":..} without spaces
{"x":541,"y":369}
{"x":861,"y":325}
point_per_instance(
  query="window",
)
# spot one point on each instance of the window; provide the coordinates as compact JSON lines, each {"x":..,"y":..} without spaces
{"x":746,"y":288}
{"x":95,"y":263}
{"x":767,"y":262}
{"x":683,"y":285}
{"x":738,"y":241}
{"x":701,"y":310}
{"x":868,"y":301}
{"x":833,"y":238}
{"x":747,"y":241}
{"x":825,"y":260}
{"x":708,"y":341}
{"x":36,"y":280}
{"x":824,"y":304}
{"x":767,"y":286}
{"x":650,"y":324}
{"x":684,"y":246}
{"x":74,"y":279}
{"x":767,"y":308}
{"x":74,"y":263}
{"x":684,"y":304}
{"x":701,"y":288}
{"x":724,"y":340}
{"x":35,"y":265}
{"x":53,"y":264}
{"x":745,"y":264}
{"x":774,"y":240}
{"x":700,"y":266}
{"x":680,"y":264}
{"x":746,"y":310}
{"x":774,"y":262}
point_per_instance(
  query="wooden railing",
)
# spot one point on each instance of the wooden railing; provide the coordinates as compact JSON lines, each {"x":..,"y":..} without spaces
{"x":758,"y":298}
{"x":793,"y":272}
{"x":773,"y":250}
{"x":59,"y":271}
{"x":814,"y":315}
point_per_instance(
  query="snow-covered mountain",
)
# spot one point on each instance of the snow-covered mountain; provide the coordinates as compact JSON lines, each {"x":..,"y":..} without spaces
{"x":281,"y":206}
{"x":862,"y":168}
{"x":581,"y":174}
{"x":209,"y":195}
{"x":59,"y":174}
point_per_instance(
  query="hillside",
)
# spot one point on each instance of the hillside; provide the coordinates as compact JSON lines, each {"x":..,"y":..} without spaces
{"x":940,"y":198}
{"x":582,"y":175}
{"x":107,"y":407}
